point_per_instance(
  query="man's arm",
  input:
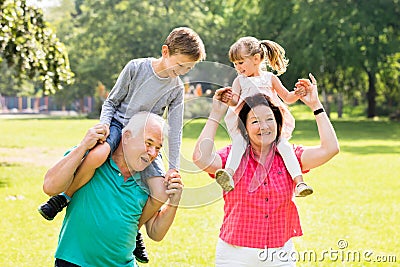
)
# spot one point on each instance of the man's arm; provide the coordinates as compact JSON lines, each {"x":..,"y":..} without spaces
{"x":60,"y":176}
{"x":158,"y":226}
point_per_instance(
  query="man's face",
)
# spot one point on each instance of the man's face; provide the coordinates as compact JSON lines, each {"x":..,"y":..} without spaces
{"x":142,"y":148}
{"x":178,"y":65}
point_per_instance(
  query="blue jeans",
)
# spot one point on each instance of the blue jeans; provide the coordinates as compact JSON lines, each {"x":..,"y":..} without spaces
{"x":115,"y":134}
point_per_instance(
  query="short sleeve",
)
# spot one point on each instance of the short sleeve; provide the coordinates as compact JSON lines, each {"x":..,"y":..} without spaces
{"x":298,"y":150}
{"x":223,"y":153}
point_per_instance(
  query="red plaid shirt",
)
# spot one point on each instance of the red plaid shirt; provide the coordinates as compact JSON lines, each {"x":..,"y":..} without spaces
{"x":262,"y":215}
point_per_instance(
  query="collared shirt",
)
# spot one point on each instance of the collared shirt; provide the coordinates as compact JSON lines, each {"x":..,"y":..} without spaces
{"x":101,"y":221}
{"x":260,"y":212}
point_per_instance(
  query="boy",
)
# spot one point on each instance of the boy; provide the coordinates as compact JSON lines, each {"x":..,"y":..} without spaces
{"x":145,"y":84}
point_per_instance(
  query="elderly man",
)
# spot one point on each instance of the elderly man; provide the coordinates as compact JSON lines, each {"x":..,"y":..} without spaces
{"x":102,"y":219}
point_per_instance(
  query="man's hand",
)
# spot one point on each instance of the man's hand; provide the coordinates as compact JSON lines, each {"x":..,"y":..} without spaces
{"x":95,"y":134}
{"x":174,"y":188}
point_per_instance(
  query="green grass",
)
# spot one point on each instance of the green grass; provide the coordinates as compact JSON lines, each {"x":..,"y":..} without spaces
{"x":356,"y":195}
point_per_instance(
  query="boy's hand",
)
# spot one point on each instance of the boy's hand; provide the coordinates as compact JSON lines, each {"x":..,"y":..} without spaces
{"x":174,"y":188}
{"x":94,"y":135}
{"x":107,"y":133}
{"x":168,"y":175}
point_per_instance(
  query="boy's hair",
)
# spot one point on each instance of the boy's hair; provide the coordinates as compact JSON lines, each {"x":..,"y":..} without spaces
{"x":187,"y":42}
{"x":271,"y":52}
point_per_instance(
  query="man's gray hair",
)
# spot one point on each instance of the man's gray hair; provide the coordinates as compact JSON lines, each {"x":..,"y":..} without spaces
{"x":139,"y":120}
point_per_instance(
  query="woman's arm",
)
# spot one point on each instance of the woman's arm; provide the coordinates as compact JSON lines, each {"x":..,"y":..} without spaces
{"x":204,"y":155}
{"x":329,"y":146}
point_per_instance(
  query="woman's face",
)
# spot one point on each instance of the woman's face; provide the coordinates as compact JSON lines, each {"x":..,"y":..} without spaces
{"x":261,"y":126}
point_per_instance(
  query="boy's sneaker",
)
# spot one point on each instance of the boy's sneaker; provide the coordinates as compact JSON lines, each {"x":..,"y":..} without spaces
{"x":53,"y":206}
{"x":225,"y":180}
{"x":303,"y":190}
{"x":140,"y":252}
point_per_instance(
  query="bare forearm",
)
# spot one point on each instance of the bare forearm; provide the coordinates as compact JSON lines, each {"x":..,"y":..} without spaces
{"x":204,"y":153}
{"x":329,"y":141}
{"x":290,"y":98}
{"x":60,"y":176}
{"x":161,"y":222}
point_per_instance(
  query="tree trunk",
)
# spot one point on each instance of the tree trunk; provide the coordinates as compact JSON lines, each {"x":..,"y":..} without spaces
{"x":340,"y":105}
{"x":371,"y":95}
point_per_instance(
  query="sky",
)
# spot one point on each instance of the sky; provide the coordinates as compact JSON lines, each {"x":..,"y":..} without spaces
{"x":42,"y":3}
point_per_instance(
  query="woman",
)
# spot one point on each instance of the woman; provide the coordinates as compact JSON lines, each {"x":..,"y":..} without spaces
{"x":260,"y":213}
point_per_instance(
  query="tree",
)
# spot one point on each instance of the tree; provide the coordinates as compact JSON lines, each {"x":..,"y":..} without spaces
{"x":30,"y":48}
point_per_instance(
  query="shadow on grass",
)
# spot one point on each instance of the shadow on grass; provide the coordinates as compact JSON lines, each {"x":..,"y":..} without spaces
{"x":352,"y":130}
{"x":364,"y":150}
{"x":307,"y":130}
{"x":193,"y":127}
{"x":348,"y":131}
{"x":4,"y":164}
{"x":48,"y":118}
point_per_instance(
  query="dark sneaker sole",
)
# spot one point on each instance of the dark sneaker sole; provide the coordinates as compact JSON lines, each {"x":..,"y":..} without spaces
{"x":44,"y":215}
{"x":142,"y":261}
{"x":223,"y":180}
{"x":305,"y":192}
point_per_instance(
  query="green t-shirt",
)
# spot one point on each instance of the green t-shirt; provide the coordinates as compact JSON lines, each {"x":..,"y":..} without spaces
{"x":101,"y":221}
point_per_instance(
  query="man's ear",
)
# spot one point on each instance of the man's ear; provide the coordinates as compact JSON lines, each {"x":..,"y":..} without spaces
{"x":126,"y":136}
{"x":165,"y":51}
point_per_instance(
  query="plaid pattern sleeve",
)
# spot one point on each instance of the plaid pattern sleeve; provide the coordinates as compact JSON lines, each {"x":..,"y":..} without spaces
{"x":266,"y":217}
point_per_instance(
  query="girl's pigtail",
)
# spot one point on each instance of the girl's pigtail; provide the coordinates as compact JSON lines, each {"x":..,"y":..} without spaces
{"x":275,"y":56}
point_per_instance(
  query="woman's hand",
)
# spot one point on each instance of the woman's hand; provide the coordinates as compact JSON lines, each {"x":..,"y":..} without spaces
{"x":220,"y":100}
{"x":311,"y":98}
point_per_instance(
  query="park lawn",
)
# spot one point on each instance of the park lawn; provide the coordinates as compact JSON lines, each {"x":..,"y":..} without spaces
{"x":355,"y":202}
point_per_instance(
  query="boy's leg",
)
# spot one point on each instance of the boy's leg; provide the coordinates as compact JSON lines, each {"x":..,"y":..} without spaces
{"x":94,"y":159}
{"x":293,"y":167}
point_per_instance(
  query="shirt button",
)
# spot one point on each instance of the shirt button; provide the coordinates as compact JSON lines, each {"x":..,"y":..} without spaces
{"x":265,"y":183}
{"x":266,"y":199}
{"x":119,"y":174}
{"x":266,"y":216}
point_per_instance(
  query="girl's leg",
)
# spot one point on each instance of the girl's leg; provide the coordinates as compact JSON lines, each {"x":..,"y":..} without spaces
{"x":224,"y":177}
{"x":236,"y":153}
{"x":290,"y":159}
{"x":293,"y":167}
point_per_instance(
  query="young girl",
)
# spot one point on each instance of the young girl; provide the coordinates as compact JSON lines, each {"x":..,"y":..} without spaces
{"x":249,"y":55}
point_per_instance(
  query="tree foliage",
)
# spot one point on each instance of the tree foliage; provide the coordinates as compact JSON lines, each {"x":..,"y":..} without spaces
{"x":31,"y":48}
{"x":351,"y":46}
